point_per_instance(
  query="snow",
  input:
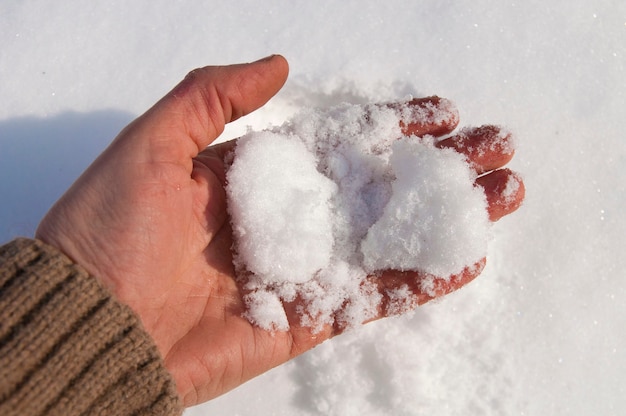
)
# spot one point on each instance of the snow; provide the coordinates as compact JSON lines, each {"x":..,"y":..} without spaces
{"x":436,"y":220}
{"x":336,"y":195}
{"x":539,"y":332}
{"x":280,"y":209}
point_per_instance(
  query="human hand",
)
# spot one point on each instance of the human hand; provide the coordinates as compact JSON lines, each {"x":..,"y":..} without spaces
{"x":148,"y":218}
{"x":487,"y":149}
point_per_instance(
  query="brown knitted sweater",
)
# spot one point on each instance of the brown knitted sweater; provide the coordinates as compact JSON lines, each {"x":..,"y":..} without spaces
{"x":67,"y":347}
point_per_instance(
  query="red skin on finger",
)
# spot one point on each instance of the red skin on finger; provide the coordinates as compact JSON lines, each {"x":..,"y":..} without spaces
{"x":423,"y":288}
{"x":504,"y":190}
{"x":486,"y":148}
{"x":434,"y":116}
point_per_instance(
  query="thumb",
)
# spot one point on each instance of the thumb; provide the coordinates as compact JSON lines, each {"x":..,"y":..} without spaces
{"x":210,"y":97}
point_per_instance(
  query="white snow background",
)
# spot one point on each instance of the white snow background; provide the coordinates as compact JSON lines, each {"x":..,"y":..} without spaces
{"x":541,"y":332}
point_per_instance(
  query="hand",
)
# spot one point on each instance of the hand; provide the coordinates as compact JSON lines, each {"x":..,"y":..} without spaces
{"x":148,"y":218}
{"x":487,"y":149}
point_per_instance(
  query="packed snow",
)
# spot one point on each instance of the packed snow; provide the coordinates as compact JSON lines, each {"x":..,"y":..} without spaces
{"x":540,"y":332}
{"x":336,"y":195}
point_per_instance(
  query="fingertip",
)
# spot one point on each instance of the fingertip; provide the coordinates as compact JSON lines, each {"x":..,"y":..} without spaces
{"x":210,"y":97}
{"x":403,"y":291}
{"x":504,"y":190}
{"x":274,"y":67}
{"x":442,"y":287}
{"x":432,"y":115}
{"x":251,"y":85}
{"x":486,"y":147}
{"x":278,"y":61}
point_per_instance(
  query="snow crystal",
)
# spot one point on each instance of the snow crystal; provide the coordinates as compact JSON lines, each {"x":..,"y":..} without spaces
{"x":334,"y":196}
{"x":265,"y":310}
{"x":511,"y":188}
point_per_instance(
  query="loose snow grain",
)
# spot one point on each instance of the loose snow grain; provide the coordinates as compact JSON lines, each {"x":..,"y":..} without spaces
{"x":509,"y":193}
{"x":335,"y":195}
{"x":266,"y":310}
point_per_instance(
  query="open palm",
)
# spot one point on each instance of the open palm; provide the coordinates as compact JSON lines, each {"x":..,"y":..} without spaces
{"x":149,"y":219}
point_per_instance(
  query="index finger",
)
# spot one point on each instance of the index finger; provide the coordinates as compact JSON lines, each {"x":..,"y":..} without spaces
{"x":433,"y":116}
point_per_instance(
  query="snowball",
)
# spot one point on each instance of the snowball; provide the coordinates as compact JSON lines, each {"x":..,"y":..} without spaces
{"x":334,"y":196}
{"x":434,"y":222}
{"x":282,"y":216}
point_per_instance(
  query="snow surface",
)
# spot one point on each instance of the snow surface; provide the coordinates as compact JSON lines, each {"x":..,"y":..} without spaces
{"x":541,"y":332}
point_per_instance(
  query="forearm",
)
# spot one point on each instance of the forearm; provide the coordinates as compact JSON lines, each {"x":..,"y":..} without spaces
{"x":68,"y":347}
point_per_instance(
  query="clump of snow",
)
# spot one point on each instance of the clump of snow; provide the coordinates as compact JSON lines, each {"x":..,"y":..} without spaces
{"x":334,"y":196}
{"x":435,"y":222}
{"x":282,"y":208}
{"x":266,"y":309}
{"x":511,"y":188}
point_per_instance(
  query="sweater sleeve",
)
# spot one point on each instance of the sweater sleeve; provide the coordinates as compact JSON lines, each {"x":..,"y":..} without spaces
{"x":67,"y":347}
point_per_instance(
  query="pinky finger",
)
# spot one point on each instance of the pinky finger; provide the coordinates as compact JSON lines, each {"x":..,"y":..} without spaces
{"x":403,"y":291}
{"x":504,"y":190}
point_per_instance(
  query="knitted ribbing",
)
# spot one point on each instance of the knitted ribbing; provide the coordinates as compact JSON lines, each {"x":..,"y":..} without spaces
{"x":67,"y":347}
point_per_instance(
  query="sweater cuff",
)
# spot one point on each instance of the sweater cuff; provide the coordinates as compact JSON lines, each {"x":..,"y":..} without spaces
{"x":67,"y":347}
